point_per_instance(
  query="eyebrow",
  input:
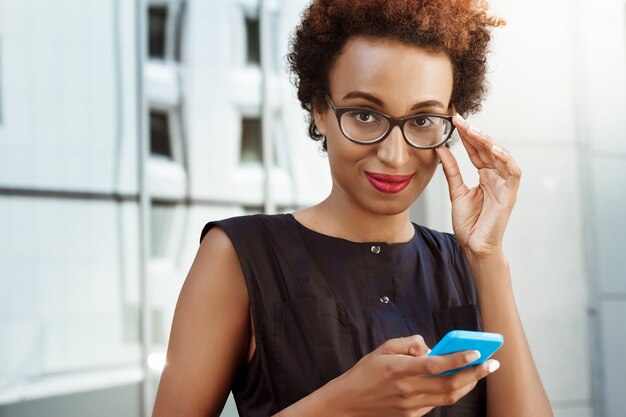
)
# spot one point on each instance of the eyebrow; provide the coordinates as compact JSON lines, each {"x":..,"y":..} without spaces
{"x":379,"y":102}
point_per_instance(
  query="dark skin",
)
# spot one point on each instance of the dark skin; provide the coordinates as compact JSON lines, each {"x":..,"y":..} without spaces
{"x":212,"y":334}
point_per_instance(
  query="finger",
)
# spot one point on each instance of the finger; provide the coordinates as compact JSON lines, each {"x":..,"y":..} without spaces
{"x":433,"y":365}
{"x":482,"y":154}
{"x":453,"y":387}
{"x":449,"y":398}
{"x":501,"y":159}
{"x":473,"y":154}
{"x":448,"y":362}
{"x":465,"y":376}
{"x":501,"y":168}
{"x":411,"y":346}
{"x":422,"y":411}
{"x":404,"y":367}
{"x":481,"y":142}
{"x":507,"y":166}
{"x":456,"y":186}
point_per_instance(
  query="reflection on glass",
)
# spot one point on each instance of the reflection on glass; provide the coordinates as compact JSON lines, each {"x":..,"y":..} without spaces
{"x":253,"y":45}
{"x":157,"y":27}
{"x":1,"y":91}
{"x":160,"y":140}
{"x":251,"y":146}
{"x":162,"y":219}
{"x":178,"y":41}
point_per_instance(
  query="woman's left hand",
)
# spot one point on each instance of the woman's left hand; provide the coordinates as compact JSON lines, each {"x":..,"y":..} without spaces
{"x":480,"y":214}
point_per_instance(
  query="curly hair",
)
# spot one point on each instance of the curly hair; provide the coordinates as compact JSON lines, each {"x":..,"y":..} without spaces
{"x":459,"y":28}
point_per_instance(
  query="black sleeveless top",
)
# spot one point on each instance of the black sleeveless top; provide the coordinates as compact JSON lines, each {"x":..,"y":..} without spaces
{"x":320,"y":303}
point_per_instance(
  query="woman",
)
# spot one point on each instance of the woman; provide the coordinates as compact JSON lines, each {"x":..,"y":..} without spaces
{"x":330,"y":311}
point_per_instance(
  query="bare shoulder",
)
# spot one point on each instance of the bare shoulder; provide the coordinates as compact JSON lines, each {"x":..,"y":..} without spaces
{"x":217,"y":254}
{"x":210,"y":333}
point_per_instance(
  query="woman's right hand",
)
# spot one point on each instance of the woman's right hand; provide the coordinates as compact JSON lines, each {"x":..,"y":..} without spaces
{"x":398,"y":379}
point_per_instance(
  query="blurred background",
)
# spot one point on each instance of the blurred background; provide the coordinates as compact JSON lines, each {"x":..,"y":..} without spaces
{"x":126,"y":125}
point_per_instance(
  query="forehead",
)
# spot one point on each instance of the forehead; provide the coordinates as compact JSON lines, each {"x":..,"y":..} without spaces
{"x":391,"y":70}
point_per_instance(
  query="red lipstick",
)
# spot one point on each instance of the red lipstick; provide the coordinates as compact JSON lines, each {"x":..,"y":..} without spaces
{"x":389,"y":184}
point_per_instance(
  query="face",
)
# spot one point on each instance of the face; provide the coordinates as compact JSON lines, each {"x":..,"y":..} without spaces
{"x":399,"y":80}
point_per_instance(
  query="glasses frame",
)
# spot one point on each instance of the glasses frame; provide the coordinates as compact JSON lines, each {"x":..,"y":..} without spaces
{"x":392,"y":121}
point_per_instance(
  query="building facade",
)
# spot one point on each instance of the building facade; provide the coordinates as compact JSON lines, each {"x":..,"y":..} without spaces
{"x":125,"y":126}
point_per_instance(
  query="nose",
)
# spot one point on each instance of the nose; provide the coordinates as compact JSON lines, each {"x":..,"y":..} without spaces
{"x":393,"y":150}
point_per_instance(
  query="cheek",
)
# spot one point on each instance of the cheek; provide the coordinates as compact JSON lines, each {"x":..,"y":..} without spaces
{"x":344,"y":153}
{"x":334,"y":134}
{"x":345,"y":160}
{"x":427,"y":160}
{"x":427,"y":165}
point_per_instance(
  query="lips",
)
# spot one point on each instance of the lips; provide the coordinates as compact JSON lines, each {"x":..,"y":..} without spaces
{"x":390,"y":184}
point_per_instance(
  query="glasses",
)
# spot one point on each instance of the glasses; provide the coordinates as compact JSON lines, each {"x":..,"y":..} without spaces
{"x":366,"y":126}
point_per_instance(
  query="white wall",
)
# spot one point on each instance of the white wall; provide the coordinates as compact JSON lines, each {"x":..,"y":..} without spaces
{"x":556,"y":103}
{"x":603,"y":85}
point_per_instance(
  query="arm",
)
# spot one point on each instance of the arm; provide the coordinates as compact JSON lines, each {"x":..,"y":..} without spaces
{"x":479,"y":219}
{"x":517,"y":385}
{"x":210,"y":333}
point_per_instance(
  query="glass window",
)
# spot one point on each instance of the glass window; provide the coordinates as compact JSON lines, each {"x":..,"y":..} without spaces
{"x":1,"y":109}
{"x":253,"y":44}
{"x":180,"y":23}
{"x":251,"y":146}
{"x":275,"y":40}
{"x":162,"y":219}
{"x":157,"y":27}
{"x":160,"y":137}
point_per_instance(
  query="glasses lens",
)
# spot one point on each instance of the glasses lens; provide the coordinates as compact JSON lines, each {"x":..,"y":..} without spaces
{"x":363,"y":126}
{"x":427,"y":130}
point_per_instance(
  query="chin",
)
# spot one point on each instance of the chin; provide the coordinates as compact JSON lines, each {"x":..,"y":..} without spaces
{"x":393,"y":204}
{"x":388,"y":208}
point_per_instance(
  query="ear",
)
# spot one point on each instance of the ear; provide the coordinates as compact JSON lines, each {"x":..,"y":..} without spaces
{"x":319,"y":118}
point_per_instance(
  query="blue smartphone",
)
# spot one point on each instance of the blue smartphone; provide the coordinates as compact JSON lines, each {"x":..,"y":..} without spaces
{"x":459,"y":340}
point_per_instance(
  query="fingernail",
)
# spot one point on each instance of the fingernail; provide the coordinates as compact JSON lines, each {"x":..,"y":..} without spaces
{"x":493,"y":365}
{"x":474,"y":129}
{"x":471,"y":357}
{"x":496,"y":149}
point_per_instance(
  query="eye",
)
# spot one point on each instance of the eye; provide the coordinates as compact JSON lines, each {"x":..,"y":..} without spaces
{"x":364,"y":117}
{"x":422,"y":121}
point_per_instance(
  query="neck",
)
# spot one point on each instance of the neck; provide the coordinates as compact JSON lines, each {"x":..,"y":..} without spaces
{"x":341,"y":217}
